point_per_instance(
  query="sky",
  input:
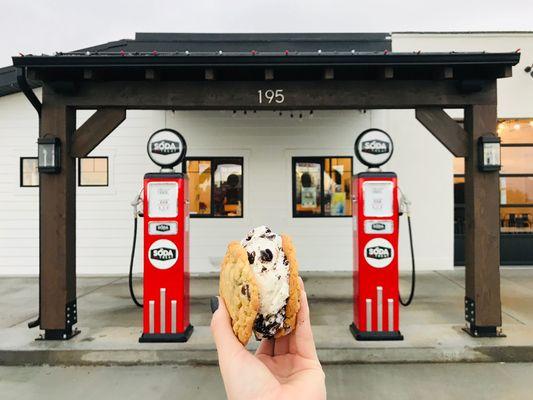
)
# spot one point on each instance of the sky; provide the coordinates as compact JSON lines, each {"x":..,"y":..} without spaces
{"x":45,"y":26}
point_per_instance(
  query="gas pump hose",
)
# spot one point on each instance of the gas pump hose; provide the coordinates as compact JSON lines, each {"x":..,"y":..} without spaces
{"x":413,"y":268}
{"x":130,"y":277}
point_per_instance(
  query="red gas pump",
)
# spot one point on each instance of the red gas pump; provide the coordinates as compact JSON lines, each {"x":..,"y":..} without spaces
{"x":166,"y":243}
{"x":375,"y":211}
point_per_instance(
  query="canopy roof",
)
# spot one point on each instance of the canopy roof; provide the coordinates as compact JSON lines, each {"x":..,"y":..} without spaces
{"x":354,"y":56}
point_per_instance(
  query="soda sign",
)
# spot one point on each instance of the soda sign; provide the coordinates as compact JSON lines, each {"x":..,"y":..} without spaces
{"x":165,"y":147}
{"x":163,"y":254}
{"x":375,"y":147}
{"x":378,"y":253}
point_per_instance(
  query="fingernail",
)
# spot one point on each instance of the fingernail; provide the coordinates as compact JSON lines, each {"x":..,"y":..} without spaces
{"x":214,"y":304}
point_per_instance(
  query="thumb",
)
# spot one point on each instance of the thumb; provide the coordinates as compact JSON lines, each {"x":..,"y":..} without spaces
{"x":226,"y":342}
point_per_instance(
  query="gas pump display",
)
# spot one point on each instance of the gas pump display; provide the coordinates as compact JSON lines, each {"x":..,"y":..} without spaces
{"x":166,"y":243}
{"x":376,"y":213}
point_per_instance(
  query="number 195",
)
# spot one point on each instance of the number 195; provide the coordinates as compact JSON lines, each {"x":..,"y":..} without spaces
{"x":270,"y":95}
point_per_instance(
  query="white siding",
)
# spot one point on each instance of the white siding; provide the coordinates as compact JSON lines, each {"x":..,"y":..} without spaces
{"x":267,"y":142}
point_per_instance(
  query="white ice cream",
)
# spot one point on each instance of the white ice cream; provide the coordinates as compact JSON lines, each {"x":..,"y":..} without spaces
{"x":271,"y":268}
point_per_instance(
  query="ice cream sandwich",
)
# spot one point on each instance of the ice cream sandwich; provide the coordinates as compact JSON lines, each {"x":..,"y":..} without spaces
{"x":259,"y":285}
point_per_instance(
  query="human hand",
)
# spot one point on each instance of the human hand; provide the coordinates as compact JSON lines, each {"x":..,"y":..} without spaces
{"x":284,"y":368}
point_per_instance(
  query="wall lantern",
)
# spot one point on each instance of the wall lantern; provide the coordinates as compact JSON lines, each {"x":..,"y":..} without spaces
{"x":489,"y":158}
{"x":49,"y":155}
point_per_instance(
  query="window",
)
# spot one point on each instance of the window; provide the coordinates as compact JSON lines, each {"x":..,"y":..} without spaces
{"x":29,"y":174}
{"x":215,"y":186}
{"x":322,"y":186}
{"x":516,"y":179}
{"x":93,"y":171}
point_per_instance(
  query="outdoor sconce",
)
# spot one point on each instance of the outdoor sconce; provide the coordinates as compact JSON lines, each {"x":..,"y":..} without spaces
{"x":48,"y":151}
{"x":489,"y":153}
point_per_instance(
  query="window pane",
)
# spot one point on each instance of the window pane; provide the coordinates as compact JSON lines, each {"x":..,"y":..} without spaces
{"x":459,"y":220}
{"x":517,"y":160}
{"x":199,"y":175}
{"x":458,"y":166}
{"x":516,"y":131}
{"x":30,"y":173}
{"x":459,"y":190}
{"x":516,"y":190}
{"x":516,"y":219}
{"x":227,"y":195}
{"x":93,"y":171}
{"x":308,"y":190}
{"x":337,"y":183}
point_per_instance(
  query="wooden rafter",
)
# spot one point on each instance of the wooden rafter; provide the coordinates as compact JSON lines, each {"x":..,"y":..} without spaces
{"x":95,"y":129}
{"x":445,"y":129}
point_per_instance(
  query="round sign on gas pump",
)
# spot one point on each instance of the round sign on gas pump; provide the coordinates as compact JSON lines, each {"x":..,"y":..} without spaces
{"x":166,"y":148}
{"x":163,"y":254}
{"x":373,"y":147}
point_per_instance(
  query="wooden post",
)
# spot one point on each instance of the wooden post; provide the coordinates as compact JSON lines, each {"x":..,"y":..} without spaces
{"x":482,"y":239}
{"x":57,"y":236}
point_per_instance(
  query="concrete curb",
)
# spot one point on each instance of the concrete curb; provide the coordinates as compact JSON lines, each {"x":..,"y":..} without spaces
{"x":119,"y":346}
{"x":209,"y":357}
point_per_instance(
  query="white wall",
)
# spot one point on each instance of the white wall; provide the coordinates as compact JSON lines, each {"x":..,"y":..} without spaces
{"x":19,"y":211}
{"x":515,"y":95}
{"x":267,"y":142}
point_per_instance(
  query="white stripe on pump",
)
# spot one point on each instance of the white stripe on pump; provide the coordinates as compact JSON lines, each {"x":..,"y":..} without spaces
{"x":162,"y":300}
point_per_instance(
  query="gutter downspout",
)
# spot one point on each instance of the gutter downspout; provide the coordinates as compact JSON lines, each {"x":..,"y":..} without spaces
{"x":28,"y":92}
{"x":30,"y":95}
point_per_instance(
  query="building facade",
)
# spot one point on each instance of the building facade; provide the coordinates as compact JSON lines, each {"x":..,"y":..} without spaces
{"x":289,"y":170}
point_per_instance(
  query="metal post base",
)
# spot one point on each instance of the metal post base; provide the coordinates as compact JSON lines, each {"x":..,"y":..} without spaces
{"x":167,"y":337}
{"x":374,"y":336}
{"x":483,"y":331}
{"x":59,"y":334}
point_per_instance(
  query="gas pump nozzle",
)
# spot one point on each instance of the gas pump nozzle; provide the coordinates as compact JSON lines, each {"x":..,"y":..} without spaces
{"x":138,"y":200}
{"x":405,"y":204}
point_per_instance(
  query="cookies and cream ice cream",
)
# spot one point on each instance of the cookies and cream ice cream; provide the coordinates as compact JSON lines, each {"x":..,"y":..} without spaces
{"x":271,"y":270}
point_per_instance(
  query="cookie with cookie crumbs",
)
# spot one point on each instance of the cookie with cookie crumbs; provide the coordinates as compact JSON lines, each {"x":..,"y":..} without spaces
{"x":259,"y":285}
{"x":238,"y":288}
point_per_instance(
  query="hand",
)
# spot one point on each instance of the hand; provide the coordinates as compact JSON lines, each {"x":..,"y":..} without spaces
{"x":284,"y":368}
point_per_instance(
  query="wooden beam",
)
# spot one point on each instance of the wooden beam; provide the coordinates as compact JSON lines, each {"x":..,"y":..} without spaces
{"x":329,"y":73}
{"x":482,"y":229}
{"x":443,"y":73}
{"x":323,"y":94}
{"x":445,"y":129}
{"x":95,"y":129}
{"x":386,"y":73}
{"x":210,"y":74}
{"x":57,"y":232}
{"x":88,"y":73}
{"x":269,"y":74}
{"x":151,"y":74}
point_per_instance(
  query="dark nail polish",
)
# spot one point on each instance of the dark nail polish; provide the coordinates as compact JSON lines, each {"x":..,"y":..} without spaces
{"x":214,"y":304}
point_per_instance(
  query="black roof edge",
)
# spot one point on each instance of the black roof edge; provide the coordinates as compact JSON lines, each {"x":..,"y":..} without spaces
{"x":262,"y":37}
{"x":258,"y":59}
